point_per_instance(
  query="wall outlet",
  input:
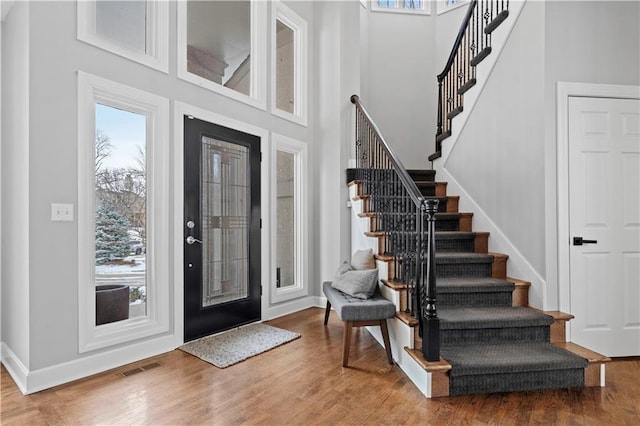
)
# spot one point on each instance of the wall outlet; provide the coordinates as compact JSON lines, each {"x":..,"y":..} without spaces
{"x":61,"y":212}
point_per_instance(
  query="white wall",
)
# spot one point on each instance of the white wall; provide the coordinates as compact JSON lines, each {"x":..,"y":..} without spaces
{"x":499,"y":156}
{"x":505,"y":157}
{"x":400,"y":75}
{"x":447,"y":27}
{"x":16,"y":319}
{"x":338,"y":59}
{"x":41,"y":56}
{"x":588,"y":42}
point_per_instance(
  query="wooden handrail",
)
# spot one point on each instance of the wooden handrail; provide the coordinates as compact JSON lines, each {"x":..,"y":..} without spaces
{"x":472,"y":45}
{"x":408,"y":183}
{"x":405,"y":220}
{"x":456,"y":44}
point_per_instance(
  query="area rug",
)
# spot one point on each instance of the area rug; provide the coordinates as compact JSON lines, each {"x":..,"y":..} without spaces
{"x":231,"y":347}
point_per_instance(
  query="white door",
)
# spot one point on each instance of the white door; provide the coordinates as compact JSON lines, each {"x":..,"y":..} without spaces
{"x":604,"y":208}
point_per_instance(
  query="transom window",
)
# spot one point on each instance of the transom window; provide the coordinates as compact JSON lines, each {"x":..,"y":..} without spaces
{"x":135,"y":29}
{"x":402,"y":6}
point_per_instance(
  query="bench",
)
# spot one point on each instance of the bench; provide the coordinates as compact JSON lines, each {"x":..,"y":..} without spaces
{"x":359,"y":313}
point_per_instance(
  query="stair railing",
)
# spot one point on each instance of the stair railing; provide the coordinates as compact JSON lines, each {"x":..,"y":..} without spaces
{"x":472,"y":45}
{"x":405,"y":220}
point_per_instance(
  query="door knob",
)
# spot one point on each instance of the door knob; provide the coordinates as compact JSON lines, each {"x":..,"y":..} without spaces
{"x":190,"y":240}
{"x":578,"y":241}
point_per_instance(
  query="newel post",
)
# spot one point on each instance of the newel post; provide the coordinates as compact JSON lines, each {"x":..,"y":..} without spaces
{"x":431,"y":323}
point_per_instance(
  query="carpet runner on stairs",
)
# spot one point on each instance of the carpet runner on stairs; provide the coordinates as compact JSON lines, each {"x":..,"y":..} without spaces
{"x":491,"y":345}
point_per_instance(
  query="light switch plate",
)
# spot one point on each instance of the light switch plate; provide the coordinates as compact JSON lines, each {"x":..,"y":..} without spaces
{"x":61,"y":212}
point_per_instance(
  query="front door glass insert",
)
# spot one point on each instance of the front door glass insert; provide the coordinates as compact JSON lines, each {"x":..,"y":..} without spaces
{"x":225,"y":219}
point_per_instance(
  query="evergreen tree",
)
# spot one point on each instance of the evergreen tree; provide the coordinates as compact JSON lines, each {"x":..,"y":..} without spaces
{"x":112,"y":239}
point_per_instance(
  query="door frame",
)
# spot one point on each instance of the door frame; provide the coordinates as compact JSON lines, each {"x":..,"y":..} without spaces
{"x":180,"y":110}
{"x":565,"y":90}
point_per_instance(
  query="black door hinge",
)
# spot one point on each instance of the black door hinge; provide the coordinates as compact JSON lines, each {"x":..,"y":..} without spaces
{"x":260,"y":289}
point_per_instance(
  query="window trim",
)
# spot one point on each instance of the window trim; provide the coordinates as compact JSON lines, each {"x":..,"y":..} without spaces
{"x":257,"y":97}
{"x":441,"y":7}
{"x":284,"y":14}
{"x":92,"y":90}
{"x":157,"y":34}
{"x":425,"y":11}
{"x":301,"y":268}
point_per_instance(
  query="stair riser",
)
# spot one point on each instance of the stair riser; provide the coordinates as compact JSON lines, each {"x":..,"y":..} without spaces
{"x":465,"y":269}
{"x":475,"y":299}
{"x":452,"y":246}
{"x":447,"y":225}
{"x":494,"y":335}
{"x":514,"y":382}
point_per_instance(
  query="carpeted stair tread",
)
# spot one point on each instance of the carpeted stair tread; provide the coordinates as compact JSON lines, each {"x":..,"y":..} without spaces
{"x":472,"y":284}
{"x":509,"y":358}
{"x":470,"y":317}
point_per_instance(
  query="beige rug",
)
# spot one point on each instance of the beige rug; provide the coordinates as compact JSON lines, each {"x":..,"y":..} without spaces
{"x":231,"y":347}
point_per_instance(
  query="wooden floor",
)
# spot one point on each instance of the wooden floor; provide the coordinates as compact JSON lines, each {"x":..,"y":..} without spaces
{"x":303,"y":382}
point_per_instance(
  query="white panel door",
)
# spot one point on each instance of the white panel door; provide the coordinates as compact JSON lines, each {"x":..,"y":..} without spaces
{"x":604,"y":207}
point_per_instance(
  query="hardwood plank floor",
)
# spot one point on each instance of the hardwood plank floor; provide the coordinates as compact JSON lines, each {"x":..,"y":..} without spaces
{"x":303,"y":382}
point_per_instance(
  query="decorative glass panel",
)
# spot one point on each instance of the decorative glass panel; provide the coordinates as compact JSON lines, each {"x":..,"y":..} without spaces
{"x":225,"y":219}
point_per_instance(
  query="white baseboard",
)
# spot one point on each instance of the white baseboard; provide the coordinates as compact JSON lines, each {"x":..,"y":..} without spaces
{"x":287,"y":308}
{"x":33,"y":381}
{"x":15,"y":367}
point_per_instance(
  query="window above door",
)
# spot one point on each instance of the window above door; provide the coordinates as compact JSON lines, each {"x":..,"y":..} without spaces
{"x":222,"y":47}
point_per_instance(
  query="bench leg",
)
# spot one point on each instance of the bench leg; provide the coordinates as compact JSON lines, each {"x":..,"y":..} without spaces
{"x":326,"y":312}
{"x":346,"y":345}
{"x":385,"y":339}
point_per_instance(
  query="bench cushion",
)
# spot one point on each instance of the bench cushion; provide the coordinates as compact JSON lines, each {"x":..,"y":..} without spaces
{"x":352,"y":309}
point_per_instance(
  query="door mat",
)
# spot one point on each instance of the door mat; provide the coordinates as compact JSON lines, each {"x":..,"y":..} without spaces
{"x":231,"y":347}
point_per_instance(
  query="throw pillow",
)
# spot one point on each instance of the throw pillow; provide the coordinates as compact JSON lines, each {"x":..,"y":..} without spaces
{"x":363,"y":259}
{"x":345,"y":267}
{"x":357,"y":283}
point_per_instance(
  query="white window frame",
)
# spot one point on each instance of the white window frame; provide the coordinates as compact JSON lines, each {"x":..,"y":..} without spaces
{"x":92,"y":90}
{"x":425,"y":11}
{"x":258,"y":85}
{"x":157,"y":34}
{"x":441,"y":6}
{"x":284,"y":14}
{"x":301,"y":235}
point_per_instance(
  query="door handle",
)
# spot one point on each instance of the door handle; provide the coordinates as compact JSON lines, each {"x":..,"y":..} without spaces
{"x":578,"y":241}
{"x":191,"y":239}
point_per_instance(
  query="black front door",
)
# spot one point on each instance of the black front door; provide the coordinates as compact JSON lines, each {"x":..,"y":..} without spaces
{"x":221,"y":228}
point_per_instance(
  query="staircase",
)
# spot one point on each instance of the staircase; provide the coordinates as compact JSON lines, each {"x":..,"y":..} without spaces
{"x":490,"y":339}
{"x":480,"y":335}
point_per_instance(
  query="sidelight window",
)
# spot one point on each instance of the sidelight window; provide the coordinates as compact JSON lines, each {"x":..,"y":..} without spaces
{"x":122,"y":220}
{"x":289,"y":224}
